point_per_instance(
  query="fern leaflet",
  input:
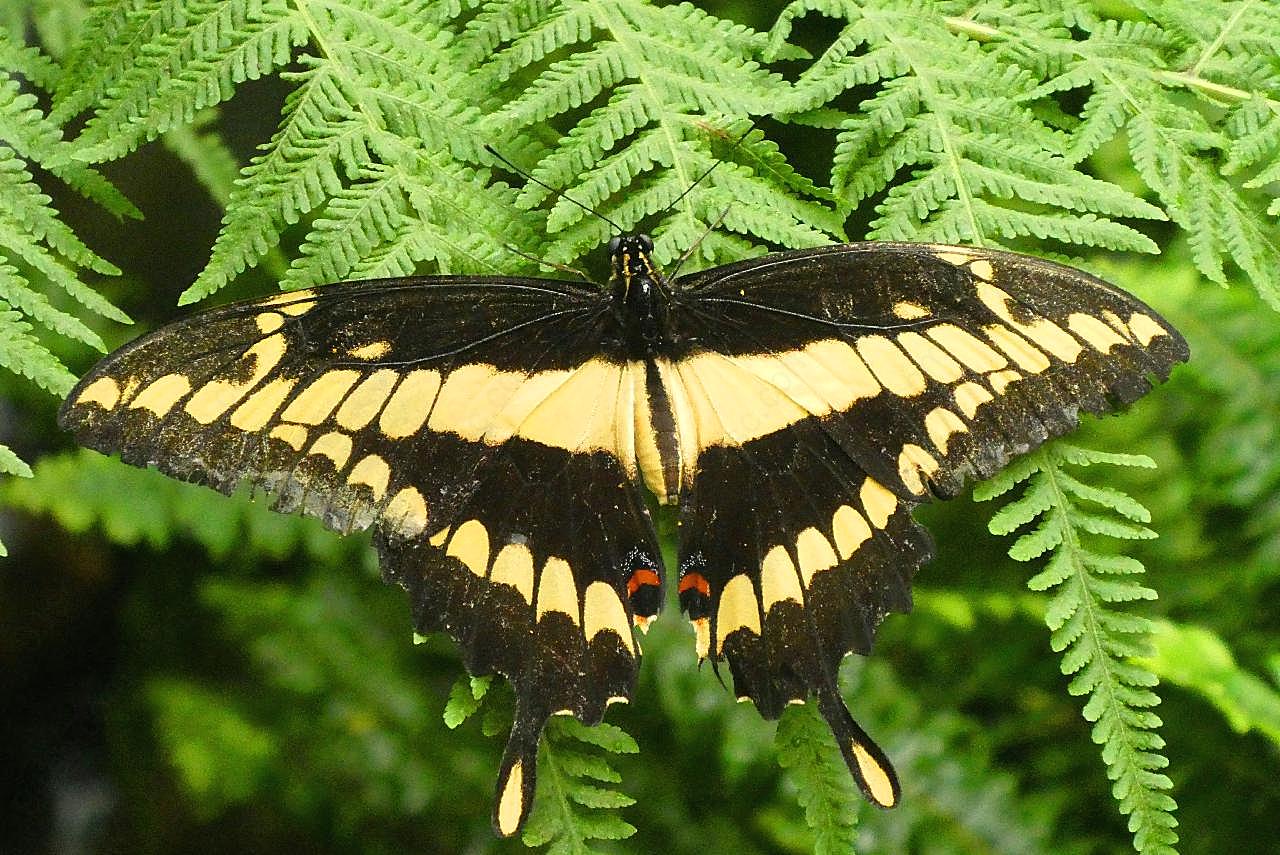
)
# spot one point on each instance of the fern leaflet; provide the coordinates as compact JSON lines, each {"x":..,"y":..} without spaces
{"x":1098,"y":643}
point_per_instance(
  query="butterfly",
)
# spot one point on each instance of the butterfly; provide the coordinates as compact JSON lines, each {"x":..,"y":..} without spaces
{"x":500,"y":434}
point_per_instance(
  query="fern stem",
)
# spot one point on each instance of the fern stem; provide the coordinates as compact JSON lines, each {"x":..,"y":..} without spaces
{"x":1213,"y":46}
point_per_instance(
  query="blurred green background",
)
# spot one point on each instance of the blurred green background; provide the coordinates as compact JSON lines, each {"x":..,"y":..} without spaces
{"x":185,"y":673}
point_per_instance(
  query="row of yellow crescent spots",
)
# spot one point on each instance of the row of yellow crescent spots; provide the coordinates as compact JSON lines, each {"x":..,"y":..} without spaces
{"x":786,"y":578}
{"x":598,"y":610}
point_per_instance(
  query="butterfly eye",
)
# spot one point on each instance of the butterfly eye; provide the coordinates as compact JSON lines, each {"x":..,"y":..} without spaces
{"x":613,"y":244}
{"x":646,"y":242}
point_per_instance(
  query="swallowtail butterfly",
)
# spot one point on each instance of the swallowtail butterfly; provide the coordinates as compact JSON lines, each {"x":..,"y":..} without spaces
{"x":499,"y":435}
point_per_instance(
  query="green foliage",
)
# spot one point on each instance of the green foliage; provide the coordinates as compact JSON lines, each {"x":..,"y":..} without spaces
{"x":826,"y":792}
{"x":575,"y":804}
{"x":1047,"y":125}
{"x":1098,"y":642}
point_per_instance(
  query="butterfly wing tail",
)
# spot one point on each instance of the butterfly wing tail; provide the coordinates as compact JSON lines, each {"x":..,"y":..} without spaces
{"x":517,"y":777}
{"x":868,"y":763}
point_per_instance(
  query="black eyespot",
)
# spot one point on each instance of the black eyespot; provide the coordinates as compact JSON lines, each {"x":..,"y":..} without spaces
{"x":646,"y":242}
{"x":613,"y":244}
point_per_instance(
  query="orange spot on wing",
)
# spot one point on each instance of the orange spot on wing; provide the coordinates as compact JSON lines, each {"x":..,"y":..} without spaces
{"x":696,"y":581}
{"x":641,"y":577}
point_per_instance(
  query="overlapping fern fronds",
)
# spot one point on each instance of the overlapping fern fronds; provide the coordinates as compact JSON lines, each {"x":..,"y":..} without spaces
{"x":985,"y":167}
{"x":1099,"y":643}
{"x":42,"y":261}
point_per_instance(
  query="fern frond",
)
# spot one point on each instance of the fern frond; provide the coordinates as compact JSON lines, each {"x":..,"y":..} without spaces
{"x":1098,"y":643}
{"x":575,"y":804}
{"x":825,"y":790}
{"x":660,"y":72}
{"x":985,"y":168}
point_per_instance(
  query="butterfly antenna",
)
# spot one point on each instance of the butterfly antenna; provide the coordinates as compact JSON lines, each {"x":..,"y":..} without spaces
{"x":554,"y":265}
{"x":709,"y":169}
{"x":559,"y":194}
{"x":694,"y":246}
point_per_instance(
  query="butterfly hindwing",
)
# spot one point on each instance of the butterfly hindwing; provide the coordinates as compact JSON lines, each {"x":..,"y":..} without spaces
{"x":404,"y":406}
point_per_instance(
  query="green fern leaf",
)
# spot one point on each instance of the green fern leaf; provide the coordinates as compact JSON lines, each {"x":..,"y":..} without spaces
{"x":1098,"y":645}
{"x":826,"y":792}
{"x":575,"y":804}
{"x":985,"y":168}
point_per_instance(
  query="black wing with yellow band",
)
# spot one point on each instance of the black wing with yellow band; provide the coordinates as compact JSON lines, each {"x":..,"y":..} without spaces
{"x":473,"y":424}
{"x":499,"y":434}
{"x":830,"y":391}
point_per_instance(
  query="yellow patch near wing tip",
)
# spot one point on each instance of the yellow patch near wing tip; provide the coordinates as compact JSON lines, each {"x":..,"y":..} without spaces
{"x":875,"y":776}
{"x":849,"y":529}
{"x":335,"y":446}
{"x":269,"y":322}
{"x":815,"y":554}
{"x":739,"y":609}
{"x":161,"y":394}
{"x":1145,"y":328}
{"x":878,"y":502}
{"x":373,"y":472}
{"x":293,"y":435}
{"x":913,"y":462}
{"x":293,"y":302}
{"x":955,"y":257}
{"x":105,"y":392}
{"x":514,"y":566}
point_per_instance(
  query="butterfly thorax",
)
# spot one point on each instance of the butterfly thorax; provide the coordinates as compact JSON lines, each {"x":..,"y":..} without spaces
{"x":641,"y":297}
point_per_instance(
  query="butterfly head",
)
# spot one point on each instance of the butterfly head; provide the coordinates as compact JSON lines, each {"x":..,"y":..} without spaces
{"x":640,"y":293}
{"x":629,"y":257}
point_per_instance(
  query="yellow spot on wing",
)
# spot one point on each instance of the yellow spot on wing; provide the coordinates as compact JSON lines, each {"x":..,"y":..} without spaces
{"x":294,"y":435}
{"x":878,"y":502}
{"x":602,"y":610}
{"x":217,"y":396}
{"x":557,"y":591}
{"x":891,"y":366}
{"x":407,"y":510}
{"x":1098,"y":335}
{"x":1145,"y":328}
{"x":875,"y":776}
{"x":373,"y":472}
{"x":471,"y":398}
{"x":940,"y":424}
{"x":815,"y":554}
{"x":982,"y":269}
{"x":315,"y":402}
{"x":912,"y":462}
{"x":738,"y":609}
{"x":970,"y":396}
{"x":849,"y":529}
{"x":335,"y":446}
{"x":372,"y":350}
{"x":104,"y":392}
{"x":933,"y":359}
{"x":511,"y":802}
{"x":470,"y":545}
{"x":843,"y":363}
{"x":701,"y":637}
{"x":407,"y":410}
{"x":1017,"y":348}
{"x":1042,"y":331}
{"x":954,"y":256}
{"x":292,"y":302}
{"x":910,"y":311}
{"x":731,"y":404}
{"x":269,"y":322}
{"x":258,"y":409}
{"x":514,"y":566}
{"x":1000,"y":380}
{"x":365,"y":401}
{"x":160,"y":395}
{"x":972,"y":351}
{"x":778,"y":579}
